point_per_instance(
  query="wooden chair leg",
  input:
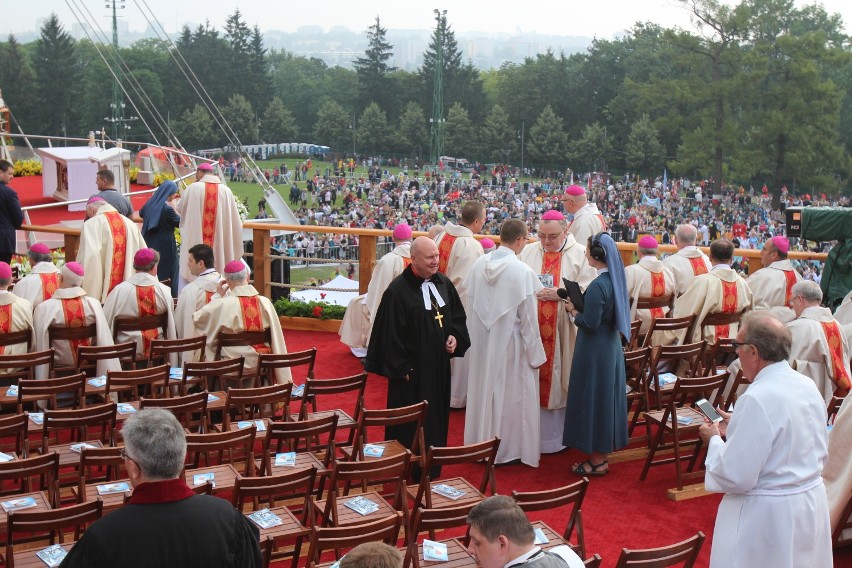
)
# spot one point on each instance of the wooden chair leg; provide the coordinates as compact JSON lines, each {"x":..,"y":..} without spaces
{"x":655,"y":442}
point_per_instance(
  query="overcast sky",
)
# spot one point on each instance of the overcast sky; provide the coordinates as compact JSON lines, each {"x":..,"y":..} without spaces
{"x":601,"y":18}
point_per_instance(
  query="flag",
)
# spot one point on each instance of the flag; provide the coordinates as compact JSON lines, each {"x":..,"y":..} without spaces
{"x":665,"y":179}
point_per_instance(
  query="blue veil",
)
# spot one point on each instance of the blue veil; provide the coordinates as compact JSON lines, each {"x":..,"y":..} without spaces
{"x":619,"y":284}
{"x":153,"y":209}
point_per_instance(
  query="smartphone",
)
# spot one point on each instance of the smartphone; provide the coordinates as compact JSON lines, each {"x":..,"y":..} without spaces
{"x":707,"y":410}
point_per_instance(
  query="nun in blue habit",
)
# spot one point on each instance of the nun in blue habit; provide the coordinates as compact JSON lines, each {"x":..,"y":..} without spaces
{"x":596,"y":414}
{"x":159,"y":221}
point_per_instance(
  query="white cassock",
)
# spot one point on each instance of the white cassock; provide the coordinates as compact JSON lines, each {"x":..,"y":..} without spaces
{"x":227,"y":315}
{"x":837,"y":474}
{"x":16,"y":314}
{"x":192,"y":298}
{"x":39,"y":285}
{"x":126,"y":301}
{"x":459,"y":260}
{"x":641,"y":278}
{"x":101,"y":252}
{"x":706,"y":295}
{"x":811,"y":351}
{"x":685,"y":265}
{"x":844,"y":310}
{"x":771,"y":288}
{"x":357,"y":322}
{"x":573,"y":265}
{"x":216,"y":221}
{"x":505,"y":354}
{"x":52,"y":312}
{"x":587,"y":222}
{"x":775,"y":511}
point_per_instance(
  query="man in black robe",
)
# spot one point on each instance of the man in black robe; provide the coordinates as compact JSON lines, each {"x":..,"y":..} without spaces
{"x":419,"y":326}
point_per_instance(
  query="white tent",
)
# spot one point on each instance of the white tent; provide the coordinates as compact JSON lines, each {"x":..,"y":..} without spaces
{"x":331,"y":297}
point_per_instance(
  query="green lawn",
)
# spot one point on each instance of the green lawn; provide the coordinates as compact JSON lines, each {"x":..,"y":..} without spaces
{"x":314,"y":273}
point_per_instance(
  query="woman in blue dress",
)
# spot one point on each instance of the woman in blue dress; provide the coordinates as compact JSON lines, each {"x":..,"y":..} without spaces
{"x":596,"y":414}
{"x":159,"y":221}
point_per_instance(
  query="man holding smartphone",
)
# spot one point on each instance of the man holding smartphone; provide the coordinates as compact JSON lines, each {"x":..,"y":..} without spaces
{"x":775,"y":511}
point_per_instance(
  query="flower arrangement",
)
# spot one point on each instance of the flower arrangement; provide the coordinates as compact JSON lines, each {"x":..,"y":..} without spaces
{"x":317,"y":310}
{"x":133,"y":172}
{"x":27,"y":168}
{"x":242,"y":207}
{"x":161,"y":177}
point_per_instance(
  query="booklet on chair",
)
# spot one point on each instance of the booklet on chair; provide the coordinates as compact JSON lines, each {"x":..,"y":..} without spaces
{"x":285,"y":459}
{"x":265,"y":519}
{"x":435,"y":551}
{"x":52,"y":555}
{"x":18,"y":504}
{"x":362,"y":505}
{"x":112,"y":488}
{"x":447,"y":491}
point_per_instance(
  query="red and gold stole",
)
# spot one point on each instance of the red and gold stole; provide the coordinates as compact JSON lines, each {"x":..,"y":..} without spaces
{"x":252,"y":319}
{"x":5,"y":322}
{"x":548,"y":323}
{"x":208,"y":213}
{"x":790,"y":277}
{"x":49,"y":284}
{"x":603,"y":223}
{"x":208,"y":296}
{"x":405,"y":262}
{"x":698,"y":266}
{"x":75,"y":316}
{"x":119,"y":248}
{"x":444,"y":249}
{"x":729,"y":306}
{"x":835,"y":346}
{"x":658,"y":288}
{"x":146,"y":302}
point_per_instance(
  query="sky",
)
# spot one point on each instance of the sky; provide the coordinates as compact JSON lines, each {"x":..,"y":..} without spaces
{"x":600,"y":18}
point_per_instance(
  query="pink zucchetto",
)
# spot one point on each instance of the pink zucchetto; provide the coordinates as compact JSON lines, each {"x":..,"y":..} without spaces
{"x":575,"y":190}
{"x":40,"y":248}
{"x":205,"y":167}
{"x":488,"y":245}
{"x":402,"y":232}
{"x":72,"y":272}
{"x":781,"y":243}
{"x":5,"y":271}
{"x":95,"y":199}
{"x":552,"y":215}
{"x":75,"y":267}
{"x":648,"y":242}
{"x":234,"y":266}
{"x":144,"y":257}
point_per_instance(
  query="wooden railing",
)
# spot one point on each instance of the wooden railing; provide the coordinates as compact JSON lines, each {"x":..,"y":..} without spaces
{"x":368,"y":241}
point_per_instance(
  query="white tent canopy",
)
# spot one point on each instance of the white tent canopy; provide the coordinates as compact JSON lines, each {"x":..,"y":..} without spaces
{"x":331,"y":297}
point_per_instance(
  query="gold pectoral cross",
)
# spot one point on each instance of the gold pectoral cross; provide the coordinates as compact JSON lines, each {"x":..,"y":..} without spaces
{"x":438,"y":315}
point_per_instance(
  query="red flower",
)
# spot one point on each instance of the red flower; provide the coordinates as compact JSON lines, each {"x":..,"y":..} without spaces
{"x":322,"y":295}
{"x":317,"y":311}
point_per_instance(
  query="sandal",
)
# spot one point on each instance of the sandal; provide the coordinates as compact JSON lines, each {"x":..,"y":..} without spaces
{"x":580,"y":469}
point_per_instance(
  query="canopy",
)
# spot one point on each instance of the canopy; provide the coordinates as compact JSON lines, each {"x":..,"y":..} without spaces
{"x":323,"y":294}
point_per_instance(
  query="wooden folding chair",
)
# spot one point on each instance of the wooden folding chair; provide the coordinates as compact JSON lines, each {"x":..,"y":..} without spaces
{"x":66,"y":391}
{"x":568,"y":496}
{"x":717,"y":319}
{"x":635,"y":327}
{"x":226,"y":340}
{"x":99,"y":466}
{"x":385,"y":529}
{"x":16,"y":338}
{"x":256,"y":403}
{"x":125,"y":325}
{"x":652,"y":303}
{"x":432,"y":520}
{"x":593,"y":561}
{"x":719,"y":355}
{"x":383,"y":418}
{"x":636,"y":366}
{"x":312,"y":441}
{"x":162,"y":348}
{"x":685,"y":360}
{"x":833,"y":406}
{"x":842,"y":533}
{"x":138,"y":382}
{"x":267,"y":363}
{"x":185,"y":409}
{"x":315,"y":388}
{"x":210,"y":374}
{"x":669,"y":324}
{"x":482,"y":453}
{"x":23,"y":366}
{"x":89,"y":355}
{"x":86,"y":333}
{"x":21,"y":473}
{"x":685,"y":552}
{"x":732,"y":391}
{"x":93,"y":425}
{"x":679,"y":418}
{"x":15,"y":427}
{"x":237,"y":445}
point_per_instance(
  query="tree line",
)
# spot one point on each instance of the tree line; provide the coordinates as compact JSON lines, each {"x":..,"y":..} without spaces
{"x":755,"y":93}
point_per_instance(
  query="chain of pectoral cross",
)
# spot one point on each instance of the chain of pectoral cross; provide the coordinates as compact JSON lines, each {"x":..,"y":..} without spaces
{"x":438,"y":315}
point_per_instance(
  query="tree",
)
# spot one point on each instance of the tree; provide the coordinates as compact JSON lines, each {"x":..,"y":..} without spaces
{"x":373,"y":68}
{"x":373,"y":130}
{"x":497,"y":137}
{"x":412,"y":138}
{"x":57,"y":81}
{"x":17,"y":80}
{"x":241,"y":118}
{"x":644,"y":151}
{"x":278,"y":124}
{"x":334,"y":126}
{"x":261,"y":82}
{"x":547,"y":143}
{"x":195,"y":128}
{"x":459,"y":133}
{"x":592,"y":148}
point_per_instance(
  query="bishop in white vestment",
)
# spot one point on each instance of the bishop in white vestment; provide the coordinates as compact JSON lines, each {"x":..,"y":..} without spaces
{"x":648,"y":278}
{"x":772,"y":285}
{"x":688,"y":262}
{"x":197,"y":293}
{"x":42,"y":281}
{"x":16,"y":314}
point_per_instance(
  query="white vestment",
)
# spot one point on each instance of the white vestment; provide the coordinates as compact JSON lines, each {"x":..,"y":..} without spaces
{"x":505,"y":354}
{"x":123,"y":302}
{"x":681,"y":266}
{"x":640,"y":278}
{"x":775,"y":511}
{"x":50,"y":312}
{"x":464,"y":252}
{"x":21,"y":318}
{"x":574,"y":266}
{"x":769,"y":289}
{"x":226,"y":315}
{"x":705,"y":296}
{"x":192,"y":298}
{"x":228,"y":230}
{"x":844,"y":310}
{"x":97,"y":248}
{"x":587,"y":222}
{"x":30,"y":286}
{"x":837,"y":474}
{"x":810,"y":353}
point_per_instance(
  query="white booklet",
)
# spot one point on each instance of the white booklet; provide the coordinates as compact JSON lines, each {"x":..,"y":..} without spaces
{"x":37,"y":417}
{"x":212,"y":397}
{"x":435,"y":551}
{"x":447,"y":491}
{"x":125,"y":408}
{"x":12,"y":390}
{"x":298,"y":391}
{"x":82,"y":445}
{"x":265,"y":519}
{"x":112,"y":488}
{"x":97,"y":382}
{"x":667,"y":378}
{"x":202,"y":478}
{"x":373,"y":451}
{"x":362,"y":505}
{"x":18,"y":504}
{"x":540,"y":537}
{"x":52,"y":555}
{"x":260,"y":424}
{"x":4,"y":457}
{"x":287,"y":459}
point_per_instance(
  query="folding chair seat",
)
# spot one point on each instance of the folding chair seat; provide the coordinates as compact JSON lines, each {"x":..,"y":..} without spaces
{"x":190,"y":410}
{"x":384,"y":529}
{"x":683,"y":360}
{"x":432,"y":520}
{"x":315,"y":388}
{"x":669,"y":324}
{"x":683,"y":553}
{"x":256,"y":403}
{"x":237,"y":445}
{"x":568,"y":496}
{"x":382,"y":418}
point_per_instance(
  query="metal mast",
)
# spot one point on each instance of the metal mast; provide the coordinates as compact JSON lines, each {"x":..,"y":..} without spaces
{"x":437,"y":120}
{"x":117,"y":105}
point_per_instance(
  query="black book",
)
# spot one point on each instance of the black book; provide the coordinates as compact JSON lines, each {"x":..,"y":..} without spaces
{"x":574,"y":294}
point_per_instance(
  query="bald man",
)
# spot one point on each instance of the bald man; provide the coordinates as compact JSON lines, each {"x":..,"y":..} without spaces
{"x":772,"y":285}
{"x":688,"y":262}
{"x":588,"y":220}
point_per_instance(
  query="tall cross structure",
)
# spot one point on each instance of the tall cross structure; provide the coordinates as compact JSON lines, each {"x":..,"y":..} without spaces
{"x":117,"y":105}
{"x":437,"y":120}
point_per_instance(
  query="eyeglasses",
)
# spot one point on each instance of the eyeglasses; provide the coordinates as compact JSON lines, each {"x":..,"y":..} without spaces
{"x":124,"y":455}
{"x":736,"y":345}
{"x":544,"y":237}
{"x":790,"y":303}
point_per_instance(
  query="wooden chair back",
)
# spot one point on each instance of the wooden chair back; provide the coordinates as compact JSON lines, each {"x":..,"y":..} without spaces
{"x":257,"y":402}
{"x":17,"y":337}
{"x":208,"y":374}
{"x":685,"y":552}
{"x":242,"y":339}
{"x":719,"y":354}
{"x":336,"y":538}
{"x":383,"y":417}
{"x":162,"y":348}
{"x":651,"y":303}
{"x":570,"y":496}
{"x":833,"y":406}
{"x":99,"y":465}
{"x":355,"y":384}
{"x":51,"y":391}
{"x":432,"y":520}
{"x":126,"y":324}
{"x":185,"y":408}
{"x":483,"y":453}
{"x":267,"y":362}
{"x":44,"y":466}
{"x":23,"y":366}
{"x":731,"y":398}
{"x":635,"y":327}
{"x":669,"y":324}
{"x":89,"y":355}
{"x":79,"y":423}
{"x":315,"y":435}
{"x":296,"y":485}
{"x":15,"y":427}
{"x":685,"y":360}
{"x":73,"y":334}
{"x":721,"y":319}
{"x":50,"y":523}
{"x":139,"y":382}
{"x":237,"y":445}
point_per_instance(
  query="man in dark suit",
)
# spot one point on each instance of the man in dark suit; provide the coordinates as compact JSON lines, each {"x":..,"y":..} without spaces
{"x":11,"y":216}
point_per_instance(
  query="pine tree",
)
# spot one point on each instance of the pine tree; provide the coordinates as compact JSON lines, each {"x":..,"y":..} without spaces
{"x":373,"y":69}
{"x":57,"y":80}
